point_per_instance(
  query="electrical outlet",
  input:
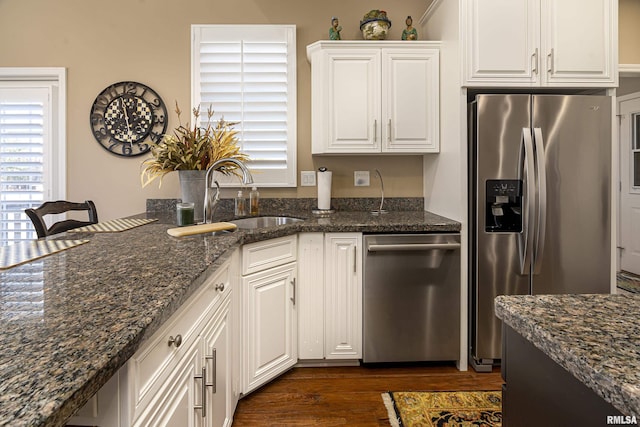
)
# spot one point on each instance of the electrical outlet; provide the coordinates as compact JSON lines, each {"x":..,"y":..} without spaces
{"x":307,"y":178}
{"x":361,"y":178}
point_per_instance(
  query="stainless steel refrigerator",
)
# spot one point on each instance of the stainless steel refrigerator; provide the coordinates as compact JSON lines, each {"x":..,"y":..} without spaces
{"x":539,"y":217}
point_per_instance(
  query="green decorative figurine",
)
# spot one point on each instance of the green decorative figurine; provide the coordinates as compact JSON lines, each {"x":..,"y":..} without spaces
{"x":334,"y":31}
{"x":409,"y":33}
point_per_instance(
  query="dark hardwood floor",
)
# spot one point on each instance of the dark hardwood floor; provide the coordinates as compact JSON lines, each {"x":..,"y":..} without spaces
{"x":338,"y":396}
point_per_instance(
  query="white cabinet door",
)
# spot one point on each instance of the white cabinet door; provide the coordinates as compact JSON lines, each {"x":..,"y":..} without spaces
{"x":410,"y":88}
{"x":578,"y":39}
{"x":540,"y":43}
{"x":500,"y":42}
{"x":216,"y":351}
{"x":374,"y":97}
{"x":343,"y":296}
{"x":352,"y":115}
{"x":179,"y":402}
{"x":269,"y":324}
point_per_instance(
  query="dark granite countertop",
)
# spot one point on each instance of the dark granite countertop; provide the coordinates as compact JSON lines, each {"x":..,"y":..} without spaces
{"x":594,"y":337}
{"x":70,"y":320}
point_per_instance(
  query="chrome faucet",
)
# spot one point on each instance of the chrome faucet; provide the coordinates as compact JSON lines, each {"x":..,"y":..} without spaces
{"x":380,"y":211}
{"x":211,"y":203}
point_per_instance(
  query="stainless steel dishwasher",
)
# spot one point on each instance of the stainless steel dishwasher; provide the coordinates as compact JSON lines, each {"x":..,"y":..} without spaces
{"x":411,"y":297}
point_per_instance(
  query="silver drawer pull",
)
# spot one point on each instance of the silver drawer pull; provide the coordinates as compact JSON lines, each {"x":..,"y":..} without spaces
{"x":213,"y":357}
{"x":177,"y":341}
{"x":202,"y":377}
{"x":219,"y":287}
{"x":414,"y":247}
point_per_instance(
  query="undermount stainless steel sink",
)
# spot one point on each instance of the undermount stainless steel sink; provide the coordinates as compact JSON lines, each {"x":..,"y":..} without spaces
{"x":264,"y":221}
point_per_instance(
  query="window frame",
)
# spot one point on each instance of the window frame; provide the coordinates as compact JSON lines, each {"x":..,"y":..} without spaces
{"x":228,"y":32}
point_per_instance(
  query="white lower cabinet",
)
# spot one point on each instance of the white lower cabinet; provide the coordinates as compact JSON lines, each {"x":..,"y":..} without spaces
{"x":174,"y":404}
{"x":182,"y":376}
{"x":240,"y":331}
{"x":330,"y":312}
{"x":217,"y":351}
{"x":269,"y":310}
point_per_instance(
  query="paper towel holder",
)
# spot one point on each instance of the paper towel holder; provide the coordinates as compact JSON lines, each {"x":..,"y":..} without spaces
{"x":323,"y":212}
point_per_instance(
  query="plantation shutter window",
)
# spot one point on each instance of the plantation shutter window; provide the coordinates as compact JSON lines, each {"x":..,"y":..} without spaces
{"x":246,"y":74}
{"x":24,"y":132}
{"x":32,"y":145}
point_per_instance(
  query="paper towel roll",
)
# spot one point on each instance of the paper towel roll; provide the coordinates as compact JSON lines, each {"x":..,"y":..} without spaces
{"x":324,"y":189}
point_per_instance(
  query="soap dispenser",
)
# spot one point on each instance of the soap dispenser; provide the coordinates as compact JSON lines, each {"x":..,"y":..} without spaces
{"x":240,"y":205}
{"x":254,"y":200}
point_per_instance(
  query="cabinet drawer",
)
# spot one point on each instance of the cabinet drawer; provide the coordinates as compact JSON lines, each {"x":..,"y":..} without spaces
{"x":271,"y":253}
{"x":152,"y":364}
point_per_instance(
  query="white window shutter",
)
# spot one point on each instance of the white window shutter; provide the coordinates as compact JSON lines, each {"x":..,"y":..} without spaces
{"x":24,"y":134}
{"x":246,"y":74}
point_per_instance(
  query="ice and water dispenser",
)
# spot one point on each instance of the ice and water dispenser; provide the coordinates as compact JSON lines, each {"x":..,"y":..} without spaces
{"x":503,"y":206}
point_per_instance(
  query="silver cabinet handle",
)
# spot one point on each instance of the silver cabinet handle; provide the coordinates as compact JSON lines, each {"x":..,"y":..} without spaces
{"x":550,"y":61}
{"x":203,"y":406}
{"x":213,"y":357}
{"x":293,"y":298}
{"x":219,"y":287}
{"x":534,"y":57}
{"x":375,"y":130}
{"x":177,"y":341}
{"x":354,"y":259}
{"x":389,"y":134}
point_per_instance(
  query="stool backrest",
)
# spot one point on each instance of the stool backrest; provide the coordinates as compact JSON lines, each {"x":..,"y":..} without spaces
{"x":60,"y":206}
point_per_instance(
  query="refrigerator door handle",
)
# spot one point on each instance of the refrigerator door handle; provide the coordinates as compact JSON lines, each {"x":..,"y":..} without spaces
{"x":526,"y":173}
{"x":542,"y":200}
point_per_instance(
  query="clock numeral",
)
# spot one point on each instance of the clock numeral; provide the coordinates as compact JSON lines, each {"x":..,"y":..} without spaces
{"x":143,"y":148}
{"x":155,"y":137}
{"x":127,"y":149}
{"x":156,"y":102}
{"x":130,"y":88}
{"x":159,"y":119}
{"x":101,"y":102}
{"x":97,"y":119}
{"x":100,"y":134}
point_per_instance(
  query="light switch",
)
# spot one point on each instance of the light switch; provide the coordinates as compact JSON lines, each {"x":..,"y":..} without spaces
{"x":361,"y":178}
{"x":307,"y":178}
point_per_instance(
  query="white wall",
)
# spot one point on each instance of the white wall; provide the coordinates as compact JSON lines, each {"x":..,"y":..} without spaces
{"x":445,"y":174}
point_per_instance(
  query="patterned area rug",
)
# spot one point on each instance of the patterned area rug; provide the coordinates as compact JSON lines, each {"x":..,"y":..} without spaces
{"x":444,"y":408}
{"x":628,"y":281}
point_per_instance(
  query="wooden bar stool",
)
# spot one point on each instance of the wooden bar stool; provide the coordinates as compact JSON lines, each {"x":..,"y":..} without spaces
{"x":60,"y":206}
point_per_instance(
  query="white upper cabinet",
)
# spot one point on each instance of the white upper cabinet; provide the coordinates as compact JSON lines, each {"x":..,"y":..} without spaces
{"x":374,"y":97}
{"x":540,"y":43}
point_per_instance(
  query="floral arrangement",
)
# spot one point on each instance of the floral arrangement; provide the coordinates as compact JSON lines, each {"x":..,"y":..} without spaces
{"x":193,"y":148}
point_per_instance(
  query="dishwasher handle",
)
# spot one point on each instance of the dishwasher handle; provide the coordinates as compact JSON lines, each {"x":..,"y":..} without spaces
{"x":413,"y":247}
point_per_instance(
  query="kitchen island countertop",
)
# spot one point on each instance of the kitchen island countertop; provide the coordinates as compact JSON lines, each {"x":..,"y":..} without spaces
{"x":70,"y":320}
{"x":596,"y":338}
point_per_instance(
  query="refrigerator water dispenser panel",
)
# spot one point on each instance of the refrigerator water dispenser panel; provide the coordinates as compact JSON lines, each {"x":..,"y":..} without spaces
{"x":503,"y":206}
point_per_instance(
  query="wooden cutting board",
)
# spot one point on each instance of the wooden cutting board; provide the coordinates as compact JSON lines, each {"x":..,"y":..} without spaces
{"x":201,"y":228}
